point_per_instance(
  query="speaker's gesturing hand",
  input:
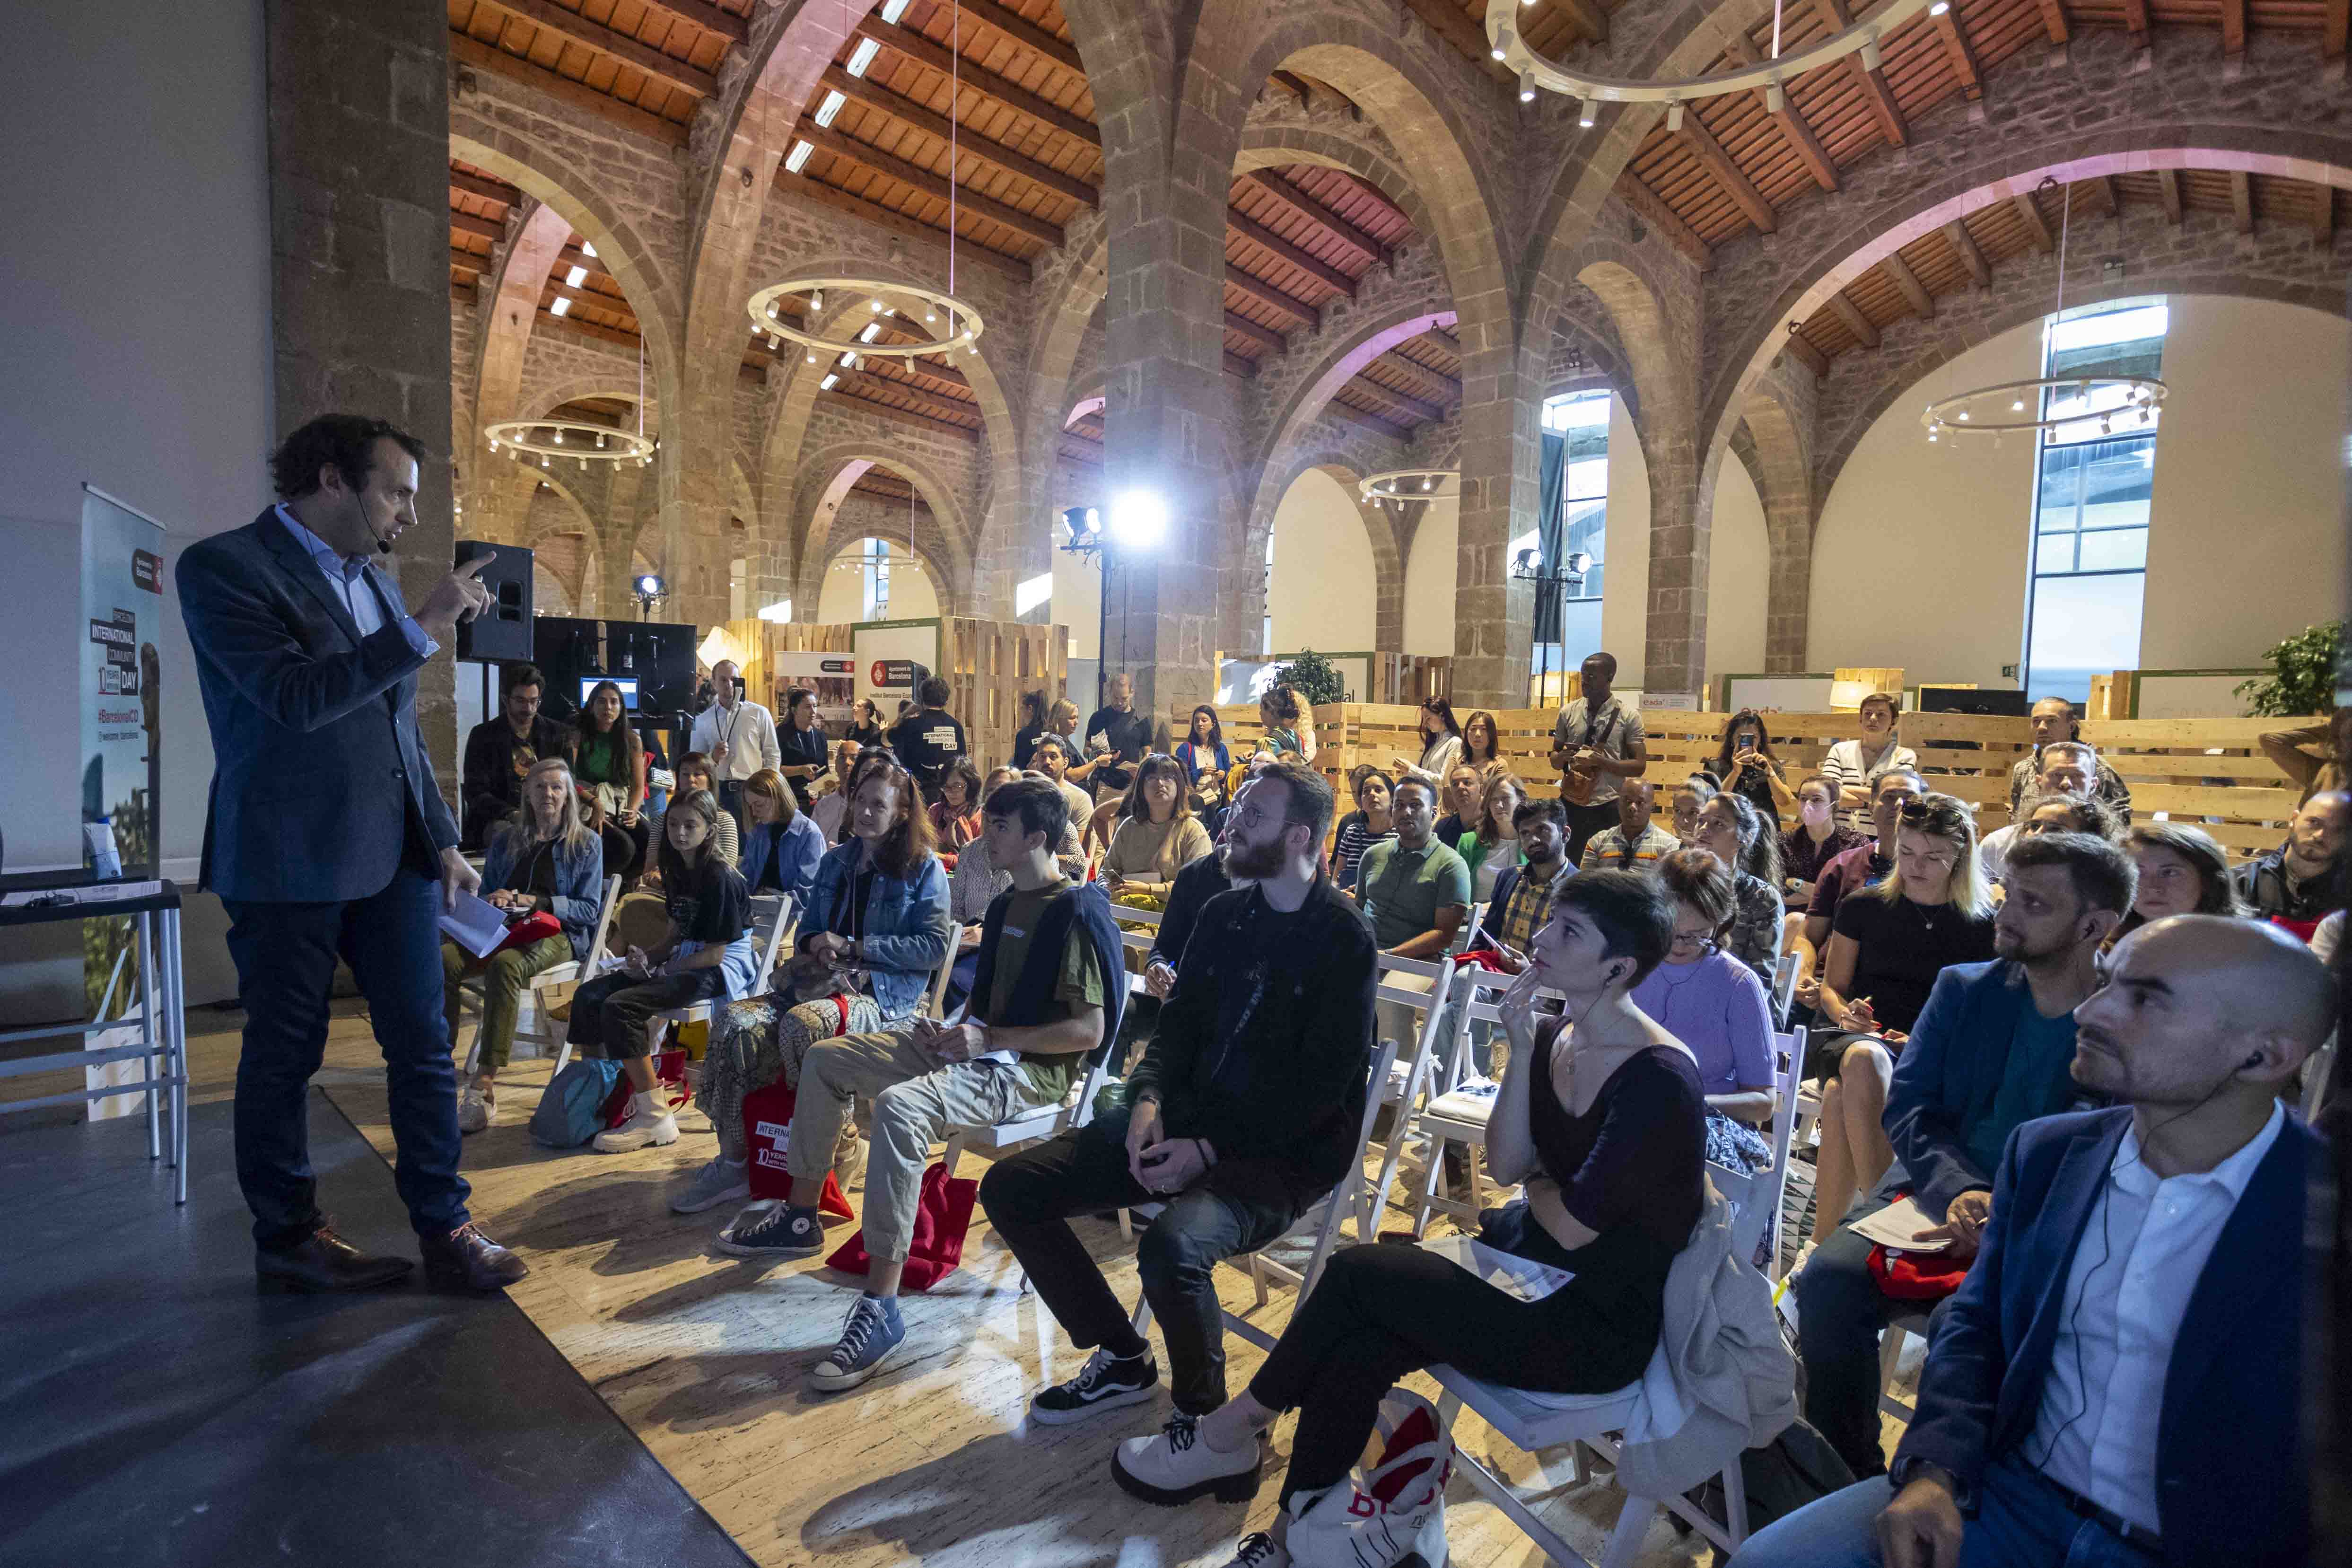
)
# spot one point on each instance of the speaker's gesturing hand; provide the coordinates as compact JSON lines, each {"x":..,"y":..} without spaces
{"x":459,"y":596}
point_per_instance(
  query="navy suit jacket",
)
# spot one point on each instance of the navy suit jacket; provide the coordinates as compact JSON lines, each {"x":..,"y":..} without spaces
{"x":2231,"y":1470}
{"x":321,"y":789}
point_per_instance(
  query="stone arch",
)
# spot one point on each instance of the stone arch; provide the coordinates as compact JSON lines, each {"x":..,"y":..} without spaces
{"x":1388,"y":535}
{"x":592,"y":383}
{"x":1272,"y":145}
{"x":1775,"y":452}
{"x":505,"y":317}
{"x":815,"y":520}
{"x":1016,"y":542}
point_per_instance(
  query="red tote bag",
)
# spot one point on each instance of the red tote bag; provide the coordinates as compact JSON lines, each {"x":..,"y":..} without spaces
{"x":942,"y":1215}
{"x":767,"y":1127}
{"x":669,"y":1086}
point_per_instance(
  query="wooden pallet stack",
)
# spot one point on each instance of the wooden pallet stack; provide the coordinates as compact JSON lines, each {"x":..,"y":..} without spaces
{"x":988,"y":665}
{"x":2208,"y":771}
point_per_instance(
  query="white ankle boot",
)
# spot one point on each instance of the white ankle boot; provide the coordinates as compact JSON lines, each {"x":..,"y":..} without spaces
{"x":649,"y":1123}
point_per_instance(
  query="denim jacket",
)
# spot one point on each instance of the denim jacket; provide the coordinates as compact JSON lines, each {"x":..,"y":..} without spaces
{"x":579,"y":878}
{"x":906,"y":931}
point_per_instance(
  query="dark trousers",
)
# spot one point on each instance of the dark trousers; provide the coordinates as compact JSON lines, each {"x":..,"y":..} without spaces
{"x":624,"y":847}
{"x":1584,"y":822}
{"x":284,"y":955}
{"x":1381,"y":1312}
{"x":730,"y":800}
{"x":1238,"y":1207}
{"x":1840,"y":1313}
{"x":609,"y":1013}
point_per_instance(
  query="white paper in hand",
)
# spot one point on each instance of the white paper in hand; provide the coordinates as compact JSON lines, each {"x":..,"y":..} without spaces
{"x":1514,"y":1275}
{"x":1894,"y":1225}
{"x":476,"y":925}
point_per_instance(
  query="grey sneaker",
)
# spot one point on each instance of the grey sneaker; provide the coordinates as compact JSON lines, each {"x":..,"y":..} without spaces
{"x":772,"y":1229}
{"x":477,"y":1107}
{"x":713,"y":1185}
{"x":870,"y":1342}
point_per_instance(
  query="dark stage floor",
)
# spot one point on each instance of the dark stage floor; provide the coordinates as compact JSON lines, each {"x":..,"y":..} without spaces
{"x":155,"y":1409}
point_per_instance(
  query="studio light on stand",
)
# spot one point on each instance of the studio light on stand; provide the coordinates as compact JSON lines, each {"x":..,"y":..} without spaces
{"x":1552,"y":585}
{"x":648,"y":591}
{"x":1138,"y":523}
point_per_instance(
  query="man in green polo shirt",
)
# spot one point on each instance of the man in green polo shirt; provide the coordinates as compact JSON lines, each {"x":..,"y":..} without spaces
{"x":1415,"y":890}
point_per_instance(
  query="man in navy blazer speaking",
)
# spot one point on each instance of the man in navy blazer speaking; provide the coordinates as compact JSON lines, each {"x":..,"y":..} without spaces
{"x":2118,"y":1382}
{"x":327,"y":837}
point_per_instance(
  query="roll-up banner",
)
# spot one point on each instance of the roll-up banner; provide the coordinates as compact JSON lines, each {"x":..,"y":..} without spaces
{"x":121,"y":628}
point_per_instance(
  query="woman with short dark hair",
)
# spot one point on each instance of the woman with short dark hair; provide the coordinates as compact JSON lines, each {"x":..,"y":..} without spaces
{"x":1744,"y":766}
{"x":606,"y":764}
{"x":955,"y":815}
{"x":801,"y":740}
{"x":1157,"y":835}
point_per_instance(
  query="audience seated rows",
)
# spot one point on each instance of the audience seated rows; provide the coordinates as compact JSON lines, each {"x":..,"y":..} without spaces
{"x":1157,"y":835}
{"x":1691,"y":796}
{"x":2300,"y":881}
{"x":1636,"y":843}
{"x":1744,"y":765}
{"x":955,"y":811}
{"x":1855,"y":767}
{"x":1371,"y":822}
{"x":1441,"y":743}
{"x":2055,"y":723}
{"x":1491,"y":847}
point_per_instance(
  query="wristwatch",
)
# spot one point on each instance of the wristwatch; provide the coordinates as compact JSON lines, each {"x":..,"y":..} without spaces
{"x":1910,"y":1467}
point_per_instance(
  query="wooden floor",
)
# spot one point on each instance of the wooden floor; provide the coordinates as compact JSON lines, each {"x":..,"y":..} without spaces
{"x":704,"y":1356}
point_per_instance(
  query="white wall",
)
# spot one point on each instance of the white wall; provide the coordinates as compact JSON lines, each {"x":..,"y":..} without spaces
{"x":1325,"y":591}
{"x":2246,"y":526}
{"x":843,"y":600}
{"x":1947,"y":519}
{"x":1078,"y":598}
{"x":1738,"y":575}
{"x":2247,"y":515}
{"x":134,"y":354}
{"x":1429,"y":573}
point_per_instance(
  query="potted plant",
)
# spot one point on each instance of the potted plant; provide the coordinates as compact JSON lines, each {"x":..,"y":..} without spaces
{"x":2303,"y":675}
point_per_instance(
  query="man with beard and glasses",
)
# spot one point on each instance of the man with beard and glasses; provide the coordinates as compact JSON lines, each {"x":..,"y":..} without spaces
{"x":1990,"y":1050}
{"x":2120,"y":1380}
{"x":1242,"y":1114}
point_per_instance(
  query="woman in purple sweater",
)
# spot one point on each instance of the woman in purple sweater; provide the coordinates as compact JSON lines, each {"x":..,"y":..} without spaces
{"x":1714,"y":1005}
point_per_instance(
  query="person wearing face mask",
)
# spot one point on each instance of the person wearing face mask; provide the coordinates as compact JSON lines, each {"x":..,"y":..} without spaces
{"x":1817,"y":838}
{"x":1746,"y":767}
{"x":1857,"y":765}
{"x":2055,"y":721}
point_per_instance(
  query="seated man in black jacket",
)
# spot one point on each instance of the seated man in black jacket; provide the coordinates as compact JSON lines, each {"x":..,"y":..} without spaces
{"x":500,"y":751}
{"x":1241,"y":1116}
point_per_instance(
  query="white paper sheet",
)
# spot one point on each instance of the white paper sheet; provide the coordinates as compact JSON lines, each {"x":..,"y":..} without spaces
{"x":106,"y":893}
{"x":476,"y":925}
{"x":1894,"y":1227}
{"x":1514,"y":1275}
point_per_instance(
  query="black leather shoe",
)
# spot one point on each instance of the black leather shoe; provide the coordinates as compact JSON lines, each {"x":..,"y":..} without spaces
{"x":324,"y":1261}
{"x":469,"y":1258}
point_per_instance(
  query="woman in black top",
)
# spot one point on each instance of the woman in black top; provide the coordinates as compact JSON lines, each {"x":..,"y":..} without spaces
{"x":865,"y":724}
{"x":802,"y":741}
{"x":1746,"y":767}
{"x":1887,"y":945}
{"x":1033,"y":724}
{"x":1607,"y":1124}
{"x":1370,"y":822}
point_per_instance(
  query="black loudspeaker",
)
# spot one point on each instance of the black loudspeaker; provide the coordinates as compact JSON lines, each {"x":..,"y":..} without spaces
{"x":502,"y":632}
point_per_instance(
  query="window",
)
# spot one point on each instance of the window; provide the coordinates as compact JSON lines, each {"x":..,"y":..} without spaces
{"x":1265,"y":631}
{"x":1583,"y":419}
{"x":2092,"y":480}
{"x":877,"y":579}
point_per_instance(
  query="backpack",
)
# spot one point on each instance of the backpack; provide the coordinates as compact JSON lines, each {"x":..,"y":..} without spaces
{"x":1780,"y":1476}
{"x":571,"y":1111}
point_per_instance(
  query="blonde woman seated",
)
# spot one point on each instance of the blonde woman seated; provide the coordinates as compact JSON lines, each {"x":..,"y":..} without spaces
{"x":874,"y":934}
{"x":1157,"y":835}
{"x":1886,"y":947}
{"x":543,"y":858}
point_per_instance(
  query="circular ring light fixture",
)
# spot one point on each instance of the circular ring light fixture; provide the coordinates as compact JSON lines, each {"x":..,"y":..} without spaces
{"x":2015,"y":406}
{"x":549,"y":439}
{"x":953,"y":325}
{"x":1411,"y":484}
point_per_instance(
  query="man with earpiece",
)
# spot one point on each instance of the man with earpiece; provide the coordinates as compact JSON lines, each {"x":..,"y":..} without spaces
{"x":2120,"y":1380}
{"x":326,"y":837}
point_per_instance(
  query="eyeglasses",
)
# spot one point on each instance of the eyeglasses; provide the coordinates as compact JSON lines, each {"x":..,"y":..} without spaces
{"x":1695,"y":938}
{"x":1251,"y":817}
{"x":1917,"y":809}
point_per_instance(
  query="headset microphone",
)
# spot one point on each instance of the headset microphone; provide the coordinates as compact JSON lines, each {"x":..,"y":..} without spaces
{"x":383,"y":545}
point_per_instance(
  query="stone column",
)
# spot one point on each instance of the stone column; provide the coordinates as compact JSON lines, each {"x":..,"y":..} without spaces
{"x":359,"y":211}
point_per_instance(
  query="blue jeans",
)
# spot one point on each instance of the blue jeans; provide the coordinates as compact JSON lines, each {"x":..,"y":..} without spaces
{"x":285,"y":956}
{"x":2021,"y":1522}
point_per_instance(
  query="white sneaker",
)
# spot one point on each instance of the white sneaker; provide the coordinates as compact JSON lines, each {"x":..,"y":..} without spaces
{"x":649,"y":1123}
{"x":713,"y":1185}
{"x":1177,"y":1466}
{"x":477,"y":1107}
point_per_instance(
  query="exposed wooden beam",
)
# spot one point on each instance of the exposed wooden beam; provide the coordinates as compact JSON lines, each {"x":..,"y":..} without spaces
{"x":1652,"y":209}
{"x":2053,"y":20}
{"x":1962,"y":58}
{"x":1022,"y":31}
{"x":2233,"y":27}
{"x":463,"y":293}
{"x":612,"y":43}
{"x":1297,"y":85}
{"x":1307,"y":261}
{"x":1263,"y":336}
{"x":2136,"y":21}
{"x":467,"y":261}
{"x":573,"y":255}
{"x":2323,"y":214}
{"x":1265,"y":293}
{"x":1450,"y":22}
{"x":1874,"y":91}
{"x":817,"y":191}
{"x":555,"y":288}
{"x":466,"y":49}
{"x":1971,"y":255}
{"x":2242,"y":199}
{"x":1374,"y":195}
{"x":1236,"y":365}
{"x":1368,"y":421}
{"x":1410,"y":407}
{"x":2102,"y":188}
{"x":1923,"y":304}
{"x":2037,"y":227}
{"x":479,"y":227}
{"x":2335,"y":21}
{"x":1315,"y":213}
{"x":709,"y":18}
{"x":1855,"y":321}
{"x":552,"y":321}
{"x":488,"y":190}
{"x":923,"y":180}
{"x":2168,"y":190}
{"x":1812,"y":358}
{"x":944,"y":410}
{"x":907,"y":113}
{"x":843,"y":399}
{"x":1742,"y":190}
{"x":1793,"y":130}
{"x":914,"y":45}
{"x":1590,"y":19}
{"x":1445,"y":388}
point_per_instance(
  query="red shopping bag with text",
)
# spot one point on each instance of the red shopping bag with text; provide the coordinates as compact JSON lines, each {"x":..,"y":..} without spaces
{"x":670,"y":1087}
{"x":942,"y":1215}
{"x":767,"y":1133}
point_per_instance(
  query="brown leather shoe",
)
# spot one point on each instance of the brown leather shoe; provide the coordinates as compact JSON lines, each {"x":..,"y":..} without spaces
{"x":469,"y":1258}
{"x":324,"y":1261}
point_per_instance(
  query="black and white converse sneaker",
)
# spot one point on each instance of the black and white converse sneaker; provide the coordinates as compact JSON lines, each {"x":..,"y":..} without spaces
{"x":1177,"y":1466}
{"x":774,"y":1229}
{"x":1259,"y":1550}
{"x":1105,"y":1383}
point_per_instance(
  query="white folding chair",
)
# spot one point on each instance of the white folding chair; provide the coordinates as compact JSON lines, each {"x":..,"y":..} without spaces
{"x":539,"y":1032}
{"x":1784,"y":988}
{"x":1755,"y":1199}
{"x":1419,"y":1080}
{"x":1890,"y":1354}
{"x":1353,"y":1196}
{"x":1456,"y":1115}
{"x":781,"y":925}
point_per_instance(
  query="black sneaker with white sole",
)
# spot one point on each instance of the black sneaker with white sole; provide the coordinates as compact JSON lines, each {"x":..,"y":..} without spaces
{"x":773,"y":1230}
{"x":1105,"y":1383}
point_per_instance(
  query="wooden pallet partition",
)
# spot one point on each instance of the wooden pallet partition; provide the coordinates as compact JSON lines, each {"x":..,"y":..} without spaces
{"x":988,"y":665}
{"x":2211,"y":772}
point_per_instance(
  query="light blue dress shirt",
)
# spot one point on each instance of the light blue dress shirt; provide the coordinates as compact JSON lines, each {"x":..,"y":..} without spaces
{"x":347,"y":575}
